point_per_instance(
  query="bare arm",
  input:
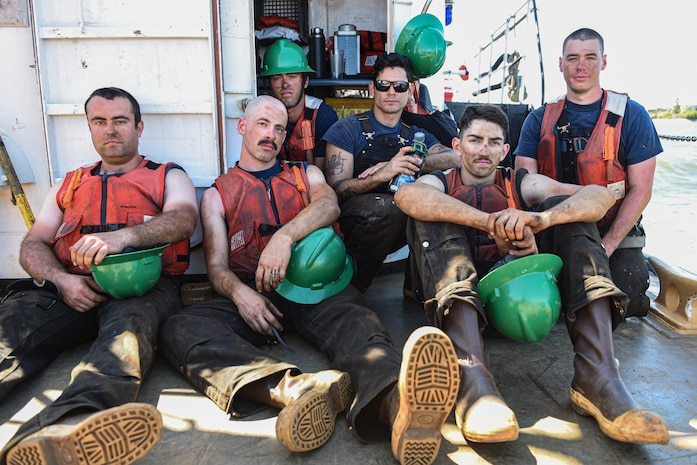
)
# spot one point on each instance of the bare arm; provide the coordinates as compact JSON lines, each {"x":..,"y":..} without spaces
{"x":340,"y":173}
{"x":37,"y":258}
{"x":440,"y":158}
{"x":176,"y":223}
{"x":528,"y":163}
{"x":585,"y":204}
{"x":639,"y":186}
{"x":256,"y":310}
{"x":322,"y":211}
{"x":426,"y":200}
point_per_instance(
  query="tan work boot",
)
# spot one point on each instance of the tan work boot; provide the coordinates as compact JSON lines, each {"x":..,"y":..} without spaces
{"x":428,"y":383}
{"x":119,"y":435}
{"x":597,"y":389}
{"x":310,"y":403}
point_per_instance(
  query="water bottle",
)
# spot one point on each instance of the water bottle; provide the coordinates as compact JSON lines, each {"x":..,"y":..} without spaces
{"x":318,"y":60}
{"x":419,"y":152}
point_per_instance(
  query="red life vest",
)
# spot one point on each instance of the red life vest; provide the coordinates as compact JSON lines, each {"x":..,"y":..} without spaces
{"x":492,"y":198}
{"x":292,"y":148}
{"x":252,"y":213}
{"x":599,"y":162}
{"x":93,"y":203}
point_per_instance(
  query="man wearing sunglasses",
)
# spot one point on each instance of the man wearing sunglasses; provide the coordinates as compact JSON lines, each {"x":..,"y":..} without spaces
{"x":364,"y":152}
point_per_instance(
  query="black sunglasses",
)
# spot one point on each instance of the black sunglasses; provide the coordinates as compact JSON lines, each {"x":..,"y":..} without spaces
{"x":399,"y":86}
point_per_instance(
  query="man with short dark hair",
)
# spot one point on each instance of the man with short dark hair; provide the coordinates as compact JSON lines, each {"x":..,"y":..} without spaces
{"x":365,"y":152}
{"x":252,"y":217}
{"x":467,"y":219}
{"x":596,"y":136}
{"x":122,"y":201}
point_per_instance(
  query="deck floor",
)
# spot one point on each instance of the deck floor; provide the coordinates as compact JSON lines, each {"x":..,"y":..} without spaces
{"x":657,"y":366}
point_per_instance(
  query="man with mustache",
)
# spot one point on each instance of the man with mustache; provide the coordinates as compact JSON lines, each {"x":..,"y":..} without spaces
{"x":252,"y":217}
{"x":122,"y":201}
{"x":465,"y":220}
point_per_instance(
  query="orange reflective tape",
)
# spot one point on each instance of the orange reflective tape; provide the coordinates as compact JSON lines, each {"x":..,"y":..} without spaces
{"x":67,"y":198}
{"x":307,"y":139}
{"x":609,"y":152}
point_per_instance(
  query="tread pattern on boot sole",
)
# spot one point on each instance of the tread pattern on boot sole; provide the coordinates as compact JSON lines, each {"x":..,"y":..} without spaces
{"x":117,"y":436}
{"x":309,"y":423}
{"x":429,"y":382}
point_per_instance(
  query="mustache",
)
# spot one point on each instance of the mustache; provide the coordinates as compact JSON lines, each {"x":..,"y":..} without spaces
{"x":268,"y":141}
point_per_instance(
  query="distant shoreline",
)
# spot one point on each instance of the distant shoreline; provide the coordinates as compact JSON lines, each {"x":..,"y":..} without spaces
{"x":673,"y":114}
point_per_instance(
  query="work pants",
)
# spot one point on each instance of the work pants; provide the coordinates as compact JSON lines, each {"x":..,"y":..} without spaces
{"x":213,"y":347}
{"x":37,"y":325}
{"x":444,"y":267}
{"x":373,"y":227}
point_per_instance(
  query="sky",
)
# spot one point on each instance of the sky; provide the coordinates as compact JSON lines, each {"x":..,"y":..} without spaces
{"x":650,"y":47}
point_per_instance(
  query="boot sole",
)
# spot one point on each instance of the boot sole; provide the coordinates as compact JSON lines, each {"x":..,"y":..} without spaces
{"x":308,"y":423}
{"x":636,"y":426}
{"x":428,"y":383}
{"x":117,"y":436}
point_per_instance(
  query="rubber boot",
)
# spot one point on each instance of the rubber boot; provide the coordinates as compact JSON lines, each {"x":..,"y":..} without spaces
{"x":120,"y":435}
{"x":480,"y":412}
{"x":309,"y":404}
{"x":425,"y":395}
{"x":597,"y":389}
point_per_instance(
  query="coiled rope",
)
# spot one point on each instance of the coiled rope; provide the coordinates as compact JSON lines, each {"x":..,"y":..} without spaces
{"x":679,"y":138}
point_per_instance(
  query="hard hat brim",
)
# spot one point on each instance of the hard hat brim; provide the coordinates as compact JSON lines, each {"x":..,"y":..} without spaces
{"x":129,"y":274}
{"x":532,"y":263}
{"x":303,"y":295}
{"x":521,"y":298}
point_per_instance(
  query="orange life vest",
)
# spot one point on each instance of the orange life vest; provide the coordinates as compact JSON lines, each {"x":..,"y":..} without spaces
{"x":93,"y":203}
{"x":296,"y":144}
{"x":252,"y":213}
{"x":492,"y":198}
{"x":598,"y":162}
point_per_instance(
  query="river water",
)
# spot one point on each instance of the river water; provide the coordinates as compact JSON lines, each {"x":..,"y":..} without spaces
{"x":670,"y":219}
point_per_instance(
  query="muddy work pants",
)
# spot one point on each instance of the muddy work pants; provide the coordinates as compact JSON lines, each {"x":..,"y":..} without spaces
{"x":213,"y":347}
{"x":36,"y":325}
{"x":373,"y":227}
{"x":444,"y":267}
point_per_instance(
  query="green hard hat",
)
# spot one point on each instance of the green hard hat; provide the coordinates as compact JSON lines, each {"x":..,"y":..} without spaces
{"x":423,"y":42}
{"x":521,"y":298}
{"x":284,"y":57}
{"x":129,"y":274}
{"x":319,"y":267}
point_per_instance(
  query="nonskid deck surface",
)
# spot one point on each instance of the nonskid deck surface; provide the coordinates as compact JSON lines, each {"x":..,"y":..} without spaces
{"x":657,"y":365}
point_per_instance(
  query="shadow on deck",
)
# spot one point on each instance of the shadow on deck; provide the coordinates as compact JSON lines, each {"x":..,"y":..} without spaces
{"x":656,"y":365}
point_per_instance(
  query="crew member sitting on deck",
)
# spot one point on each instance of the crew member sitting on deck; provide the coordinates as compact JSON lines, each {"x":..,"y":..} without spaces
{"x":454,"y":212}
{"x":251,"y":218}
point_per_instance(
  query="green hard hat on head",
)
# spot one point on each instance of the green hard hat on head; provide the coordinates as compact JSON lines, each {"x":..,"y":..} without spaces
{"x":284,"y":57}
{"x":423,"y":42}
{"x":319,"y":267}
{"x":521,"y":298}
{"x":129,"y":274}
